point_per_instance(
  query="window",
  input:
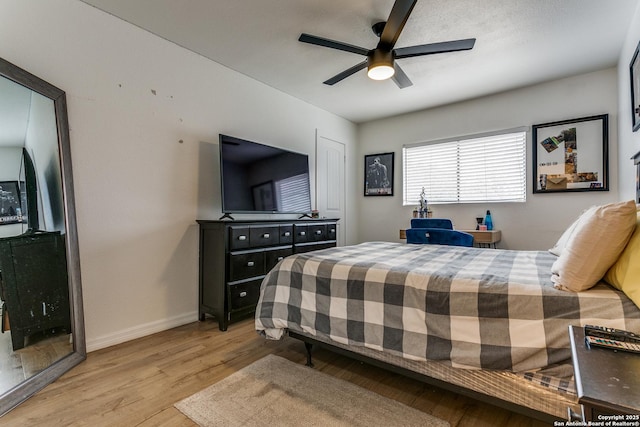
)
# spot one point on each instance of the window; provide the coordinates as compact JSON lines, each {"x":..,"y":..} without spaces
{"x":473,"y":170}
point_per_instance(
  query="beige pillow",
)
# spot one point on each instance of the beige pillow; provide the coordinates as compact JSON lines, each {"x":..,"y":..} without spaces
{"x":593,"y":247}
{"x":566,"y":236}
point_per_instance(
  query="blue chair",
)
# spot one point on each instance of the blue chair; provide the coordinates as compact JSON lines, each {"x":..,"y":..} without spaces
{"x":437,"y":231}
{"x":432,"y":223}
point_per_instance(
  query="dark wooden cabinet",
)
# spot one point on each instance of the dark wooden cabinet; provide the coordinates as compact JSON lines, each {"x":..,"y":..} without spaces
{"x":34,"y":285}
{"x":236,"y":255}
{"x":607,"y":381}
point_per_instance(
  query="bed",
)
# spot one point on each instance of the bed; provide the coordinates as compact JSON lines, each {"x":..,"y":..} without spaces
{"x":488,"y":323}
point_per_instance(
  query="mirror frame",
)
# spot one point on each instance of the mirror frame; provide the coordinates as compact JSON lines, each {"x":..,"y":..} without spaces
{"x":37,"y":382}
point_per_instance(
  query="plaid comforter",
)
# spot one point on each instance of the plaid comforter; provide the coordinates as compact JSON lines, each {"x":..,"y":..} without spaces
{"x":470,"y":307}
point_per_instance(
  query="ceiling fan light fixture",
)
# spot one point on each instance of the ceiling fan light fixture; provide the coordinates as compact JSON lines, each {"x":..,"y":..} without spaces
{"x":380,"y":65}
{"x":381,"y":72}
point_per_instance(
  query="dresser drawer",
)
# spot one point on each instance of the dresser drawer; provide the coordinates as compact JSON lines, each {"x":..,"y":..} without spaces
{"x":243,"y":265}
{"x":286,"y":234}
{"x":331,"y":232}
{"x":244,"y":294}
{"x":300,"y":233}
{"x":263,"y":236}
{"x":308,"y":247}
{"x":238,"y":238}
{"x":317,"y":232}
{"x":273,"y":256}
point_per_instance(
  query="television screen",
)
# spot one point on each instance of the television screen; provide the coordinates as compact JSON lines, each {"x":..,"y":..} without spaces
{"x":260,"y":178}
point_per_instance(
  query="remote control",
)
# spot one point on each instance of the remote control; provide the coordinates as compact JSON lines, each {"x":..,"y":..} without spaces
{"x":611,"y":333}
{"x":612,"y":344}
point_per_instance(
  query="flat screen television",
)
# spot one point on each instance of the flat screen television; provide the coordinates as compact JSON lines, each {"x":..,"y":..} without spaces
{"x":258,"y":178}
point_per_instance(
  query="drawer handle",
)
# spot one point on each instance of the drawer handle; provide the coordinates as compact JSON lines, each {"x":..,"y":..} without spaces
{"x":318,"y":232}
{"x":303,"y":233}
{"x":333,"y":230}
{"x":251,"y":264}
{"x":242,"y":237}
{"x":287,"y":234}
{"x":265,"y":236}
{"x":243,"y":294}
{"x":280,"y":258}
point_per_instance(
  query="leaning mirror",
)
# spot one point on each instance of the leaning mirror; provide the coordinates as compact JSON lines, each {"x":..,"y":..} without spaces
{"x":42,"y":327}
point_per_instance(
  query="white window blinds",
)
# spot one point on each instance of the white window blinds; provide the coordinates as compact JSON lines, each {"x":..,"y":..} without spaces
{"x":476,"y":170}
{"x":292,"y":193}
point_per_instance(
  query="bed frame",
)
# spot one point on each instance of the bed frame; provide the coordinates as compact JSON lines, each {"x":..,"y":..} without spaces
{"x":502,"y":389}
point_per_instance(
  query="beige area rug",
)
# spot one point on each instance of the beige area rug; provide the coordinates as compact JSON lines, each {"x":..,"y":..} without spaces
{"x":276,"y":392}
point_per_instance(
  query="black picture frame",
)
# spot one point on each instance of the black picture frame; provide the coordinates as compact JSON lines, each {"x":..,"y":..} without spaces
{"x":11,"y":203}
{"x":571,"y":155}
{"x":378,"y":174}
{"x":634,"y":72}
{"x":264,"y":197}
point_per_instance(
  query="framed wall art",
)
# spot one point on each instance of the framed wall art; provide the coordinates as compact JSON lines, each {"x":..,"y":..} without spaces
{"x":571,"y":155}
{"x":378,"y":174}
{"x":634,"y":70}
{"x":11,"y":204}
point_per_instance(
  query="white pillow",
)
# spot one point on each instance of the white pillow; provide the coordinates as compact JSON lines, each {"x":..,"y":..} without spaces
{"x":566,"y":236}
{"x":599,"y":237}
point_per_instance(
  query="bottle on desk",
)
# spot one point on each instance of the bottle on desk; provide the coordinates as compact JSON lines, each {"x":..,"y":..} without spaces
{"x":488,"y":221}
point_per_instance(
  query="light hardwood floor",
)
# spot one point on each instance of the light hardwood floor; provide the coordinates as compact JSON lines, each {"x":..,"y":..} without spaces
{"x":137,"y":383}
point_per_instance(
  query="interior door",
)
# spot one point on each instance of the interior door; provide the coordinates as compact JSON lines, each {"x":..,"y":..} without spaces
{"x":330,"y":183}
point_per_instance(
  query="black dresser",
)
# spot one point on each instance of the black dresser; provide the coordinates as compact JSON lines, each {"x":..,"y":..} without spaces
{"x":236,"y":255}
{"x":34,"y":285}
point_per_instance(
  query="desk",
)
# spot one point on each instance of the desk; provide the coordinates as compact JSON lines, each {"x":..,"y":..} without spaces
{"x":485,"y":238}
{"x":607,"y":381}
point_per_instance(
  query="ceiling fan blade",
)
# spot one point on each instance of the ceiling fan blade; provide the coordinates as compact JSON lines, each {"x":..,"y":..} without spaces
{"x":433,"y":48}
{"x":400,"y":78}
{"x":321,"y":41}
{"x":346,"y":73}
{"x":397,"y":18}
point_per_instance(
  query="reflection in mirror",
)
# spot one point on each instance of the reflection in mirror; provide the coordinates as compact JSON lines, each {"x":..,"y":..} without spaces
{"x":42,"y":331}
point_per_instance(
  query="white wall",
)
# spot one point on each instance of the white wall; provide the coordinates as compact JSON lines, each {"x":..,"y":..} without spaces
{"x":145,"y":116}
{"x":42,"y":144}
{"x":629,"y":140}
{"x":534,"y":225}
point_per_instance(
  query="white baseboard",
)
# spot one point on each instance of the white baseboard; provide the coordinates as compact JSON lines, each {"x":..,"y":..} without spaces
{"x":140,"y":331}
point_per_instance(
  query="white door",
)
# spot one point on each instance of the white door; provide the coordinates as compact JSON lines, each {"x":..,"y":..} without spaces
{"x":330,"y":184}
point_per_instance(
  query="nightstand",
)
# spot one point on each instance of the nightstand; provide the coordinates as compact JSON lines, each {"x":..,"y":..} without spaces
{"x":607,"y":381}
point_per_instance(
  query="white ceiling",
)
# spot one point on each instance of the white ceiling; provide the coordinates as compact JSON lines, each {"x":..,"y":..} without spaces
{"x":519,"y":42}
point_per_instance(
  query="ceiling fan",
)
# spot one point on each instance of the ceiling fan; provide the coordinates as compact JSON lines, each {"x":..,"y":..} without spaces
{"x":381,"y":61}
